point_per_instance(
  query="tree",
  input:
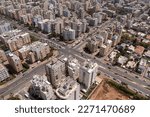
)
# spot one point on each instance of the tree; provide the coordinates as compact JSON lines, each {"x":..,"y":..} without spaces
{"x":26,"y":65}
{"x":145,"y":45}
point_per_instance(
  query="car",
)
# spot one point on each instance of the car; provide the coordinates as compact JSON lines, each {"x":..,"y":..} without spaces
{"x":38,"y":62}
{"x":147,"y":95}
{"x":116,"y":73}
{"x":135,"y":90}
{"x":114,"y":79}
{"x":144,"y":80}
{"x":140,"y":92}
{"x":109,"y":67}
{"x":26,"y":95}
{"x":136,"y":77}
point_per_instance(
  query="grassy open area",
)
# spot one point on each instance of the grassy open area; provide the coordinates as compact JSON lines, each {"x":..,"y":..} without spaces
{"x":33,"y":39}
{"x":25,"y":67}
{"x":123,"y":89}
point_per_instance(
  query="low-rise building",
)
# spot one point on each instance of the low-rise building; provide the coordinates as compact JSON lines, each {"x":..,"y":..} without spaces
{"x":68,"y":90}
{"x":131,"y":48}
{"x":142,"y":65}
{"x":41,"y":89}
{"x":139,"y":50}
{"x":113,"y":55}
{"x":147,"y":54}
{"x":122,"y":60}
{"x":131,"y":65}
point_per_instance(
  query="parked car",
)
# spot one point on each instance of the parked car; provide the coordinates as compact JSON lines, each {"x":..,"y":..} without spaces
{"x":136,"y":77}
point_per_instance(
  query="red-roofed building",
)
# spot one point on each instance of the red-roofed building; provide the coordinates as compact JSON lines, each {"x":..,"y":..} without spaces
{"x":139,"y":50}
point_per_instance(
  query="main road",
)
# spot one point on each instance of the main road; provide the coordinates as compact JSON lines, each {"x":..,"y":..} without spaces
{"x":18,"y":84}
{"x":111,"y":71}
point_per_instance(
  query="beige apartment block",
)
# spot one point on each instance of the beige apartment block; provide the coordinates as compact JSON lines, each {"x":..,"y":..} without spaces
{"x":41,"y":50}
{"x":15,"y":62}
{"x":31,"y":57}
{"x":15,"y":39}
{"x":24,"y":52}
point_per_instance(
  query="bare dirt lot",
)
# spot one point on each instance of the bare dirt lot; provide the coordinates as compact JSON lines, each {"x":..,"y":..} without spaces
{"x":106,"y":92}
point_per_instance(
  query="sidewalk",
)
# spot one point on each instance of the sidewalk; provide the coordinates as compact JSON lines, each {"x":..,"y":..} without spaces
{"x":11,"y":81}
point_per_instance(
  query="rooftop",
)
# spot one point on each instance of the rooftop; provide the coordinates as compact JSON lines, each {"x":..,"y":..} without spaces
{"x":67,"y":87}
{"x":147,"y":53}
{"x":122,"y":60}
{"x":90,"y":66}
{"x":148,"y":37}
{"x":139,"y":50}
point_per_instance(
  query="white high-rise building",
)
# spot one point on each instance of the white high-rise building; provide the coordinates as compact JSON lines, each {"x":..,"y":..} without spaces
{"x":88,"y":73}
{"x":73,"y":68}
{"x":68,"y":34}
{"x":4,"y":27}
{"x":41,"y":50}
{"x":3,"y":73}
{"x":55,"y":72}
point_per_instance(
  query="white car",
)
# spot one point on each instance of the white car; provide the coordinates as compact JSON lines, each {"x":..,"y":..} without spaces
{"x":26,"y":95}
